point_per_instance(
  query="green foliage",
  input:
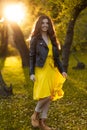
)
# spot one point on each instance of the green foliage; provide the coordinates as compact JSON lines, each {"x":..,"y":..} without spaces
{"x":68,"y":113}
{"x":80,"y":32}
{"x":60,"y":11}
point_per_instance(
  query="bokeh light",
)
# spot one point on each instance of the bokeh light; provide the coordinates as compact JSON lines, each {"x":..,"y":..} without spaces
{"x":14,"y":12}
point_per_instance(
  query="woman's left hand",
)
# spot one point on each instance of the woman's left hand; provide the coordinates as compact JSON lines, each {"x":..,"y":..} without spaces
{"x":64,"y":74}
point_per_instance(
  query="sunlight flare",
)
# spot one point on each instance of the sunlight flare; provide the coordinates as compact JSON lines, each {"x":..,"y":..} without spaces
{"x":14,"y":12}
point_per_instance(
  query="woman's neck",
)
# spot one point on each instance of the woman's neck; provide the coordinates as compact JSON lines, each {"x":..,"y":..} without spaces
{"x":45,"y":37}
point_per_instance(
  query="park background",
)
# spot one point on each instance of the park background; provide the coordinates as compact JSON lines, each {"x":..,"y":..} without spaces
{"x":17,"y":18}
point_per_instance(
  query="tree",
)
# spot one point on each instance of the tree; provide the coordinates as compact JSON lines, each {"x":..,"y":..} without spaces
{"x":4,"y":39}
{"x":20,"y":43}
{"x":4,"y":90}
{"x":80,"y":32}
{"x":70,"y":32}
{"x":17,"y":35}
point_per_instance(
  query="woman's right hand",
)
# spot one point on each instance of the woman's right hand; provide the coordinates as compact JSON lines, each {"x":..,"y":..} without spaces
{"x":64,"y":74}
{"x":32,"y":77}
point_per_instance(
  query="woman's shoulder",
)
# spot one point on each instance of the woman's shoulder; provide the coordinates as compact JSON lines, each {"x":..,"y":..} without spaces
{"x":33,"y":39}
{"x":36,"y":38}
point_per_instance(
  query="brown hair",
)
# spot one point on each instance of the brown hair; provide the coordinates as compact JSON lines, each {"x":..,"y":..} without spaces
{"x":37,"y":29}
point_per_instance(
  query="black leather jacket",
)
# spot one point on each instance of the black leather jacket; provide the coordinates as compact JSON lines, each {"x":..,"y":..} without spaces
{"x":38,"y":52}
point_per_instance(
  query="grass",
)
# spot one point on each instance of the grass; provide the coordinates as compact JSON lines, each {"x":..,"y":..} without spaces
{"x":68,"y":113}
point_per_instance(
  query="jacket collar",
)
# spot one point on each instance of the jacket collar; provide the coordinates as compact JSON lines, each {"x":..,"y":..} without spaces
{"x":39,"y":37}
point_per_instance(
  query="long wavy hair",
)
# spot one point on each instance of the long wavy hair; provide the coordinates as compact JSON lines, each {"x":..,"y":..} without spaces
{"x":51,"y":32}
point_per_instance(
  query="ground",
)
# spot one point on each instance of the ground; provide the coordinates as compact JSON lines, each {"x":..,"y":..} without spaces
{"x":68,"y":113}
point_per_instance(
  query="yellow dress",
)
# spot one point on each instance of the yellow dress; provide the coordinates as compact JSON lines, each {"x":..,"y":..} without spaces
{"x":49,"y":80}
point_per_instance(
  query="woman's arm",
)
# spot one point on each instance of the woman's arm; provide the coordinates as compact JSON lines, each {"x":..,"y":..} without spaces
{"x":32,"y":55}
{"x":58,"y":62}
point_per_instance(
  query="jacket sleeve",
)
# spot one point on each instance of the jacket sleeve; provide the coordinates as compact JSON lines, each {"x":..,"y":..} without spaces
{"x":32,"y":56}
{"x":57,"y":61}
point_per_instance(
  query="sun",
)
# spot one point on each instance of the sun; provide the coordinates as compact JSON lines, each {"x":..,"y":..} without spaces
{"x":14,"y":12}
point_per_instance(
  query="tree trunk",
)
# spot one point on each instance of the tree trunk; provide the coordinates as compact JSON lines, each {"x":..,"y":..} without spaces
{"x":20,"y":44}
{"x":4,"y":90}
{"x":69,"y":34}
{"x":4,"y":40}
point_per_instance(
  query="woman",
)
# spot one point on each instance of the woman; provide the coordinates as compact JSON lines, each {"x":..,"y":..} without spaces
{"x":45,"y":69}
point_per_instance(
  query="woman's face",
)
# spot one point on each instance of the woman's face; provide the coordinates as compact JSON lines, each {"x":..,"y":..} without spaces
{"x":44,"y":25}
